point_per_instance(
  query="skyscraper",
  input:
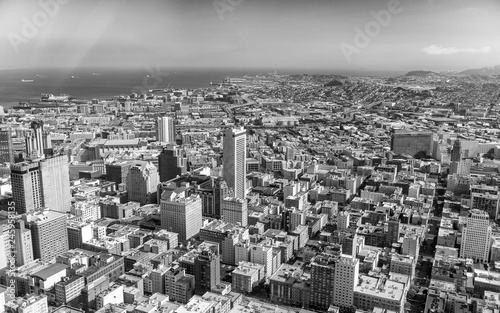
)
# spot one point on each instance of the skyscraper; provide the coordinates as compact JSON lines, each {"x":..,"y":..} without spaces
{"x":207,"y":270}
{"x":180,"y":214}
{"x":45,"y":183}
{"x":476,"y":236}
{"x":23,"y":244}
{"x":165,"y":129}
{"x":37,"y":141}
{"x":118,"y":171}
{"x":48,"y":232}
{"x":6,"y":153}
{"x":234,"y":158}
{"x":172,"y":162}
{"x":142,"y":182}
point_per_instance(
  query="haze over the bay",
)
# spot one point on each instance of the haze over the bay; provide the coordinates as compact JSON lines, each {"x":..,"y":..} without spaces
{"x":272,"y":34}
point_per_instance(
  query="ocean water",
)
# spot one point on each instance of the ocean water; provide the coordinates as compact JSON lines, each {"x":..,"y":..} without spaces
{"x":108,"y":83}
{"x":100,"y":83}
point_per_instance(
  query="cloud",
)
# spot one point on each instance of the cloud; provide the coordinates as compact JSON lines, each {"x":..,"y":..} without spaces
{"x":438,"y":50}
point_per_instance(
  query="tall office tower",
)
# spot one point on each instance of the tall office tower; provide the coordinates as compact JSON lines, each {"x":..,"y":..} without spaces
{"x":117,"y":172}
{"x":40,"y":184}
{"x":172,"y":162}
{"x":23,"y":244}
{"x":54,"y":174}
{"x":48,"y":232}
{"x":392,"y":231}
{"x":418,"y":144}
{"x":212,"y":197}
{"x":142,"y":182}
{"x":234,"y":158}
{"x":166,"y":130}
{"x":476,"y":236}
{"x":207,"y":270}
{"x":37,"y":141}
{"x":322,"y":280}
{"x":6,"y":153}
{"x":456,"y":152}
{"x":181,"y":215}
{"x":235,"y":211}
{"x":5,"y":247}
{"x":486,"y":198}
{"x":346,"y":278}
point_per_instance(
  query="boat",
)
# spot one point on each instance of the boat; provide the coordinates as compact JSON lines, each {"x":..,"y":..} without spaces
{"x":27,"y":80}
{"x":96,"y":74}
{"x":75,"y":77}
{"x":51,"y":97}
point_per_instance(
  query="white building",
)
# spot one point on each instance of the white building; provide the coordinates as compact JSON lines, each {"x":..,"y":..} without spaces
{"x":346,"y":278}
{"x":234,"y":160}
{"x":234,"y":211}
{"x":476,"y":236}
{"x":166,"y":130}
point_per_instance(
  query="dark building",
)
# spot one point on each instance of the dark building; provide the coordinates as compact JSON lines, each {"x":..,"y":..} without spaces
{"x":172,"y":163}
{"x":418,"y":144}
{"x":6,"y":153}
{"x":212,"y":197}
{"x":207,"y":270}
{"x":117,"y":172}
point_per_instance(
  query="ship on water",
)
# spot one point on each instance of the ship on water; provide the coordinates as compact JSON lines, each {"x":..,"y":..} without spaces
{"x":27,"y":80}
{"x":50,"y":97}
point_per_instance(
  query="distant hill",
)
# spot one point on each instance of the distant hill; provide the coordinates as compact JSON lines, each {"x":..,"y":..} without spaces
{"x":495,"y":70}
{"x":333,"y":83}
{"x":421,"y":73}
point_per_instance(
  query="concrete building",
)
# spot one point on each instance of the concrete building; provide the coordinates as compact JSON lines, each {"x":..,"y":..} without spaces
{"x":23,"y":244}
{"x":234,"y":158}
{"x":6,"y":152}
{"x":48,"y":232}
{"x":384,"y":293}
{"x":246,"y":276}
{"x":165,"y":130}
{"x":40,"y":184}
{"x":142,"y":182}
{"x":30,"y":303}
{"x":235,"y":211}
{"x":476,"y":236}
{"x":418,"y":144}
{"x":181,"y":215}
{"x":117,"y":172}
{"x":172,"y":162}
{"x":207,"y":270}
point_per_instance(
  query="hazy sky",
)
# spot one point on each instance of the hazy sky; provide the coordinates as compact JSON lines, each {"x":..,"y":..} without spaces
{"x":271,"y":34}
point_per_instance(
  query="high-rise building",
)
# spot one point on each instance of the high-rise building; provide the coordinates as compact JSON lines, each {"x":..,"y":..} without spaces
{"x":322,"y":281}
{"x":23,"y":244}
{"x":486,"y":198}
{"x":235,"y":211}
{"x":213,"y":196}
{"x":142,"y":182}
{"x":476,"y":236}
{"x":6,"y":153}
{"x":180,"y":214}
{"x":346,"y":278}
{"x":207,"y":270}
{"x":166,"y":129}
{"x":37,"y":141}
{"x":5,"y":247}
{"x":45,"y":183}
{"x":48,"y":233}
{"x":234,"y":158}
{"x":418,"y":144}
{"x":172,"y":163}
{"x":117,"y":172}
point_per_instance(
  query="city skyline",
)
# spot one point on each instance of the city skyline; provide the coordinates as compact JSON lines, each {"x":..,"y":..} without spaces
{"x":312,"y":35}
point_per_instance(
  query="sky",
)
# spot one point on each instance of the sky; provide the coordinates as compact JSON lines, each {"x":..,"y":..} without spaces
{"x":308,"y":35}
